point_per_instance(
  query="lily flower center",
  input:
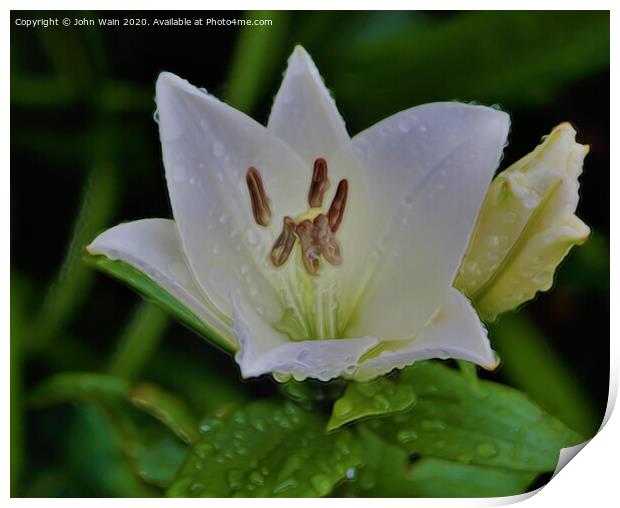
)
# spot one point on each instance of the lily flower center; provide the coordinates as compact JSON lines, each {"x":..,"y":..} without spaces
{"x":309,"y":303}
{"x":314,"y":229}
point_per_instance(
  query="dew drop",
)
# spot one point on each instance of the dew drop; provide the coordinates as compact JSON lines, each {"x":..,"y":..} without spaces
{"x":406,"y":436}
{"x":256,"y":478}
{"x":486,"y":449}
{"x":493,"y":241}
{"x":195,"y":489}
{"x":351,"y":473}
{"x":284,"y":486}
{"x":343,"y":407}
{"x":404,"y":126}
{"x":540,"y":279}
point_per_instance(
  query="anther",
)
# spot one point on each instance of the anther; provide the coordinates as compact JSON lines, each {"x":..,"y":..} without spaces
{"x":336,"y":210}
{"x":326,"y":240}
{"x":310,"y":251}
{"x":260,"y":201}
{"x":319,"y":183}
{"x":283,"y":246}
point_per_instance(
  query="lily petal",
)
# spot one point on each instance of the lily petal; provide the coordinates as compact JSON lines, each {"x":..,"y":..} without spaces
{"x":429,"y":180}
{"x":207,"y":149}
{"x":304,"y":114}
{"x":152,"y":246}
{"x":455,"y":331}
{"x":263,"y":350}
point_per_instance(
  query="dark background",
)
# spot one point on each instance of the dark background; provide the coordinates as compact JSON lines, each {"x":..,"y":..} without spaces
{"x":85,"y":155}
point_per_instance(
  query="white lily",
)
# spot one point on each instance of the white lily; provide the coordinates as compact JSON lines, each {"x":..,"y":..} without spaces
{"x":300,"y":287}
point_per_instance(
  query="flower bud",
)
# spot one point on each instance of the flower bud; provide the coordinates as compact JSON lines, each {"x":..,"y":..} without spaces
{"x":526,"y":226}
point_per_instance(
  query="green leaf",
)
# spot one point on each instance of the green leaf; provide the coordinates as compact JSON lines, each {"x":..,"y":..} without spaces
{"x":389,"y":472}
{"x":267,"y":449}
{"x":167,"y":408}
{"x":150,"y":290}
{"x":531,"y":364}
{"x":79,"y":386}
{"x":488,"y":425}
{"x":376,"y":397}
{"x":141,"y":420}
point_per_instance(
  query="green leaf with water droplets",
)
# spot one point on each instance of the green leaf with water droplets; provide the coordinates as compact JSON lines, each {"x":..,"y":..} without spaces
{"x":376,"y":397}
{"x":155,"y":293}
{"x":267,"y":449}
{"x":486,"y":424}
{"x":389,"y":471}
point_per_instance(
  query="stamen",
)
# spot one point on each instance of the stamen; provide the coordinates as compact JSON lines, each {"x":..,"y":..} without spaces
{"x":283,"y":246}
{"x":326,"y":240}
{"x":260,"y":201}
{"x":336,"y":210}
{"x":319,"y":183}
{"x":310,"y":251}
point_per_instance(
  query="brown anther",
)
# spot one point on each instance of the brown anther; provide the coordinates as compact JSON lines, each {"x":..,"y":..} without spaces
{"x":283,"y":246}
{"x":326,"y":240}
{"x":336,"y":210}
{"x":319,"y":183}
{"x":310,"y":251}
{"x":260,"y":201}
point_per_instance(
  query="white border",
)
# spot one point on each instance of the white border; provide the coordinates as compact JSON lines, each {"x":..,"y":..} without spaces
{"x":591,"y":478}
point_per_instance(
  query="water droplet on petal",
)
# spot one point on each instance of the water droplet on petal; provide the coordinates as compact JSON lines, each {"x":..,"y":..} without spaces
{"x":404,"y":125}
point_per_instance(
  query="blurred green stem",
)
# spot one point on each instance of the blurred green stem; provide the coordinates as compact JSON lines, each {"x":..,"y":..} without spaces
{"x":530,"y":364}
{"x":139,"y":340}
{"x":257,"y":55}
{"x":18,"y":297}
{"x":69,"y":288}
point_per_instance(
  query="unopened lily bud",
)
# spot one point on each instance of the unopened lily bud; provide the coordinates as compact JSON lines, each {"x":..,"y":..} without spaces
{"x":527,"y":225}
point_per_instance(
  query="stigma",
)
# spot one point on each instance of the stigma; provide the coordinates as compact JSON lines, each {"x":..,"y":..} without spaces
{"x":314,"y":229}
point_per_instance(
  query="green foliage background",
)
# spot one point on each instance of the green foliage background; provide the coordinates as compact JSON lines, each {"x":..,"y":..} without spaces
{"x":85,"y":155}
